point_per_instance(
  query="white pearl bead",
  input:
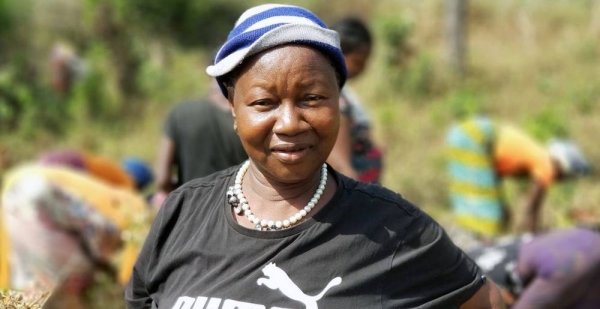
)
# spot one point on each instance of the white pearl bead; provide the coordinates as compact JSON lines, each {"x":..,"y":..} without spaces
{"x":245,"y":206}
{"x":278,"y":224}
{"x":237,"y":186}
{"x":256,"y":221}
{"x":243,"y":200}
{"x":270,"y":223}
{"x":247,"y":213}
{"x":251,"y":217}
{"x":263,"y":223}
{"x":320,"y":190}
{"x":298,"y":216}
{"x":293,"y":220}
{"x":307,"y":208}
{"x":302,"y":212}
{"x":286,"y":223}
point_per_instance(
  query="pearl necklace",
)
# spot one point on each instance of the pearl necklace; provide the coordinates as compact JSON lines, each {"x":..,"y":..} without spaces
{"x":238,"y":201}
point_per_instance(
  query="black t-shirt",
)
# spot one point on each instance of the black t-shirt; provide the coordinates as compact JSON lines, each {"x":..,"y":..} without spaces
{"x":205,"y":141}
{"x":367,"y":248}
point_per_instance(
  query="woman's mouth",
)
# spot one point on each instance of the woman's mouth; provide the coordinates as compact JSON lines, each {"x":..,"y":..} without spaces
{"x":290,"y":153}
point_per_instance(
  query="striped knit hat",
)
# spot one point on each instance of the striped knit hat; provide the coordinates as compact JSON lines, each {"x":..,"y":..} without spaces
{"x":269,"y":25}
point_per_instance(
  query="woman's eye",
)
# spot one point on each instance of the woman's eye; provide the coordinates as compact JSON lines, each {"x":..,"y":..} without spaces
{"x":313,"y":98}
{"x":261,"y":103}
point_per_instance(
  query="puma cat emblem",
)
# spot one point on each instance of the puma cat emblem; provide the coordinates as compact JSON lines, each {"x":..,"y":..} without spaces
{"x":277,"y":279}
{"x":274,"y":278}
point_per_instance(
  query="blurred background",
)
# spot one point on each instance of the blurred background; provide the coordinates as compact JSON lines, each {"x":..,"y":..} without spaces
{"x":533,"y":63}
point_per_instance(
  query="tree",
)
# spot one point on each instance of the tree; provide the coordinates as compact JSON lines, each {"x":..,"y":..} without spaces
{"x":456,"y":33}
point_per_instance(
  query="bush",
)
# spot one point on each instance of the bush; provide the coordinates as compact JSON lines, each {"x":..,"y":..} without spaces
{"x":465,"y":102}
{"x":548,"y":123}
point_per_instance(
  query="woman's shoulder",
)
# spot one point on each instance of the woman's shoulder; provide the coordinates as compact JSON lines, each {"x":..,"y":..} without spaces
{"x":199,"y":190}
{"x":216,"y":179}
{"x":377,"y":197}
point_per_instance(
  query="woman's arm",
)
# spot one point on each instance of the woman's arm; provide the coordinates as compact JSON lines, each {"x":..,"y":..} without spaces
{"x":166,"y":160}
{"x":487,"y":297}
{"x":341,"y":155}
{"x":533,"y":207}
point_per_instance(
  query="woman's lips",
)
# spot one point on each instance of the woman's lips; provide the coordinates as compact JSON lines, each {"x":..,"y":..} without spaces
{"x":290,"y":153}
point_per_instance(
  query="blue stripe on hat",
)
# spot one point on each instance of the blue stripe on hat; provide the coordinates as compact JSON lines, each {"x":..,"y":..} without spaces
{"x":242,"y":41}
{"x":275,"y":25}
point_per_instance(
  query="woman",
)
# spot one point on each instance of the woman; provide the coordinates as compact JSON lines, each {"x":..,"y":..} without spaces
{"x":482,"y":152}
{"x":59,"y":225}
{"x":285,"y":230}
{"x":355,"y":154}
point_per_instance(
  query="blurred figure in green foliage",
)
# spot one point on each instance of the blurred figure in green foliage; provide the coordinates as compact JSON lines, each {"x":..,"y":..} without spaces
{"x":198,"y":140}
{"x":355,"y":153}
{"x":65,"y":68}
{"x":482,"y":152}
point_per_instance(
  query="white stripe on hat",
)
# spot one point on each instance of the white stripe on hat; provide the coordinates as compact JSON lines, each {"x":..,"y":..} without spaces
{"x":257,"y":10}
{"x":281,"y":20}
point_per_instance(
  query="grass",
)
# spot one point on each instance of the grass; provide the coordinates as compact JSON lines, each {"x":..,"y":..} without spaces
{"x":530,"y":63}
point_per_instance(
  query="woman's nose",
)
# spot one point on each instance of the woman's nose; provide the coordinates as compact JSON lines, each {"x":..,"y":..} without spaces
{"x":289,"y":120}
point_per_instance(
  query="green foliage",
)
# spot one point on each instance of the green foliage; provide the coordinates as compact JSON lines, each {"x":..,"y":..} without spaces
{"x":92,"y":96}
{"x":396,"y":32}
{"x":15,"y":97}
{"x":585,"y":96}
{"x":6,"y":18}
{"x":465,"y":102}
{"x":25,"y":104}
{"x":408,"y":71}
{"x":548,"y":123}
{"x":418,"y":78}
{"x":190,"y":22}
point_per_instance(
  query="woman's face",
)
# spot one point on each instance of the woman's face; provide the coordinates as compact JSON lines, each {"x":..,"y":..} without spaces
{"x":285,"y":106}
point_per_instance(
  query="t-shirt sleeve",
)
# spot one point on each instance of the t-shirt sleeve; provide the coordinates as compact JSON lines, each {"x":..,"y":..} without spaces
{"x":139,"y":290}
{"x":430,"y":271}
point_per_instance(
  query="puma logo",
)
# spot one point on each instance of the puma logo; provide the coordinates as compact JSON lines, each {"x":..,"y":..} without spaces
{"x":278,"y":279}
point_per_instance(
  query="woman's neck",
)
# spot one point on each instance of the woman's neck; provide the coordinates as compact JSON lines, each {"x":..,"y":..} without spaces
{"x":271,"y":191}
{"x":273,"y":200}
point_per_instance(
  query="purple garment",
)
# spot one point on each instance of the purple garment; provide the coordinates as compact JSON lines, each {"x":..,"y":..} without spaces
{"x":65,"y":157}
{"x":561,"y":270}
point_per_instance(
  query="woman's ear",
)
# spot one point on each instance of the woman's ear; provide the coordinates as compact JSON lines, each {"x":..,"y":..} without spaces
{"x":230,"y":99}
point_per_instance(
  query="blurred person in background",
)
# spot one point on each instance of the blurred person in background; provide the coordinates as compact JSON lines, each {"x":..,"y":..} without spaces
{"x":482,"y":152}
{"x":132,"y":173}
{"x":355,"y":153}
{"x":59,"y":225}
{"x":198,"y":139}
{"x":65,"y":68}
{"x":558,"y":269}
